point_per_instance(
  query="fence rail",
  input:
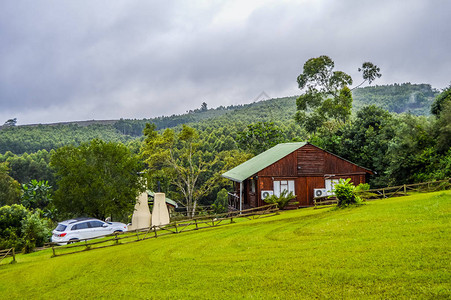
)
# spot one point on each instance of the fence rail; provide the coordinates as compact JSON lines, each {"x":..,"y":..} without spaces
{"x":388,"y":192}
{"x":403,"y":190}
{"x":8,"y":253}
{"x":156,"y":231}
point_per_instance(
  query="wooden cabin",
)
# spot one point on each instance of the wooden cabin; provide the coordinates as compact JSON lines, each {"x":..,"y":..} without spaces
{"x":301,"y":168}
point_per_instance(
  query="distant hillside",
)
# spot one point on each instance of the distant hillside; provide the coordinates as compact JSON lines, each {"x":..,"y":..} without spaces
{"x":406,"y":97}
{"x":413,"y":98}
{"x":21,"y":139}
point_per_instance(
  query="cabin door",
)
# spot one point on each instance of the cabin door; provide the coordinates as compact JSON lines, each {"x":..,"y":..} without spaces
{"x":253,"y":193}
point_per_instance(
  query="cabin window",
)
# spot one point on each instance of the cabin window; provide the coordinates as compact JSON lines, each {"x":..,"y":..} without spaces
{"x":330,"y":184}
{"x":283,"y":185}
{"x":252,"y":185}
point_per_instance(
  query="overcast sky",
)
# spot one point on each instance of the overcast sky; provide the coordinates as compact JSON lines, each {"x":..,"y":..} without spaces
{"x":82,"y":60}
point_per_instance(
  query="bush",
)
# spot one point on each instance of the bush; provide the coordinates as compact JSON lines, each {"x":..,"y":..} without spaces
{"x":35,"y":231}
{"x":21,"y":229}
{"x":345,"y":191}
{"x":362,"y":191}
{"x":221,"y":203}
{"x":281,"y":201}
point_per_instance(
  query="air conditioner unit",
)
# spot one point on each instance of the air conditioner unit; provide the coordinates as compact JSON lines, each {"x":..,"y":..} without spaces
{"x":266,"y":194}
{"x":319,"y":192}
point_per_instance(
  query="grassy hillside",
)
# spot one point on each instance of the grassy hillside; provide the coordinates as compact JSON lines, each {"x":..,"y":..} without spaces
{"x":391,"y":249}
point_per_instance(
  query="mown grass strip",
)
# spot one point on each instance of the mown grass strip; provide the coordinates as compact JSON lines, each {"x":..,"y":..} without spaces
{"x":391,"y":249}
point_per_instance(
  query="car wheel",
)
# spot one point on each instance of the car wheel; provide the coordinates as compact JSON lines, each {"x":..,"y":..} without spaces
{"x":71,"y":241}
{"x":117,"y":231}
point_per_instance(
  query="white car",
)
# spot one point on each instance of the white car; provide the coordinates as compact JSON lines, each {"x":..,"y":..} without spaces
{"x":78,"y":229}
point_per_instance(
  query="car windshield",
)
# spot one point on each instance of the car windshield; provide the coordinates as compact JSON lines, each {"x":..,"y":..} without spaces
{"x":61,"y":227}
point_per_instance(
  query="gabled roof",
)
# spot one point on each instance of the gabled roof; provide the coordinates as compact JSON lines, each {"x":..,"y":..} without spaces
{"x":261,"y":161}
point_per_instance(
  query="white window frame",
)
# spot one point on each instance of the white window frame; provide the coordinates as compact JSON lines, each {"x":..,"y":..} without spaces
{"x":281,"y":185}
{"x":330,"y":183}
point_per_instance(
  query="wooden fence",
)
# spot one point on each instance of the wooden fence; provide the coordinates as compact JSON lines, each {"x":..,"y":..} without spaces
{"x":8,"y":253}
{"x":388,"y":192}
{"x":156,"y":231}
{"x":404,"y":190}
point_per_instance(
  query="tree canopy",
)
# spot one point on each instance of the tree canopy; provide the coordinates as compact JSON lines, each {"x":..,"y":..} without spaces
{"x":179,"y":160}
{"x":9,"y":188}
{"x":96,"y":179}
{"x":441,"y":100}
{"x":327,"y":95}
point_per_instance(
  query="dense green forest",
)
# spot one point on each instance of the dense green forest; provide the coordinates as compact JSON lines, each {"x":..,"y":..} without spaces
{"x":406,"y":97}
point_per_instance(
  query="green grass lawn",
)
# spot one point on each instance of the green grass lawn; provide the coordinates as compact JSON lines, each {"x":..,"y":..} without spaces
{"x":395,"y":248}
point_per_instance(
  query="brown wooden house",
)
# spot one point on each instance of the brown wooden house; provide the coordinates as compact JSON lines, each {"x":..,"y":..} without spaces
{"x":301,"y":168}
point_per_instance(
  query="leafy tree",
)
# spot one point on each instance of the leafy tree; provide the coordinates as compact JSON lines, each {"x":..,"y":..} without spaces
{"x":9,"y":188}
{"x":11,"y":122}
{"x":204,"y":106}
{"x":367,"y":140}
{"x":26,"y":167}
{"x":440,"y":101}
{"x":259,"y":137}
{"x":411,"y":150}
{"x":326,"y":93}
{"x":443,"y":168}
{"x":370,"y":72}
{"x":38,"y":195}
{"x":179,"y":157}
{"x":443,"y":127}
{"x":96,"y":179}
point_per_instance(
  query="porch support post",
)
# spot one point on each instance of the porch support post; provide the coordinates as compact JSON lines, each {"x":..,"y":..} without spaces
{"x":241,"y":196}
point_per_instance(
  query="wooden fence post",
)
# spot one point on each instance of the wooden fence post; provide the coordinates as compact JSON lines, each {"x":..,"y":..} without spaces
{"x":195,"y":221}
{"x":14,"y":256}
{"x":155,"y":230}
{"x":53,"y":249}
{"x":405,"y":189}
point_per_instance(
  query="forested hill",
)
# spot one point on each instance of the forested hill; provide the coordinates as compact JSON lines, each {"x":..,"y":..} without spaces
{"x":413,"y":98}
{"x":398,"y":98}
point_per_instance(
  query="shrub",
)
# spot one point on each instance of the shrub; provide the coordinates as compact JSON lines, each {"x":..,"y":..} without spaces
{"x":221,"y":203}
{"x":345,"y":191}
{"x":35,"y":232}
{"x":21,"y":229}
{"x":362,"y":191}
{"x":281,"y":201}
